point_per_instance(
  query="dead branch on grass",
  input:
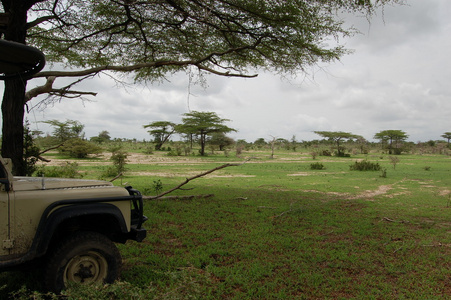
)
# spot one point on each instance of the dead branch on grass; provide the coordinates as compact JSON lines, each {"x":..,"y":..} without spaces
{"x":394,"y":221}
{"x":194,"y":177}
{"x":116,"y":177}
{"x":290,"y":210}
{"x":438,"y":245}
{"x":189,"y":197}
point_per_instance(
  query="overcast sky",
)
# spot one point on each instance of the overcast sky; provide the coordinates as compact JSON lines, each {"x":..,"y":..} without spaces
{"x":397,"y":78}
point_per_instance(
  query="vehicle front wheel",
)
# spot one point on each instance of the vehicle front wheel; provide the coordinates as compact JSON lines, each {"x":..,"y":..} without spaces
{"x":84,"y":257}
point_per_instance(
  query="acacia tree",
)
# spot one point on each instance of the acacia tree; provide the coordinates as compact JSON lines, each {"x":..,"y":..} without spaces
{"x":391,"y":137}
{"x":154,"y":38}
{"x":447,"y":136}
{"x":221,"y":140}
{"x":337,"y":137}
{"x":202,"y":124}
{"x":63,"y":131}
{"x":161,"y":132}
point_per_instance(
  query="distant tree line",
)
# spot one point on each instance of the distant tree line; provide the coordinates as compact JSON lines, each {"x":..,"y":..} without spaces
{"x":207,"y":128}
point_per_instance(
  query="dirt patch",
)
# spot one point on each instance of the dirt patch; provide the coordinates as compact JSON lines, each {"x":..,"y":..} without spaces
{"x":368,"y":194}
{"x":444,"y":192}
{"x":381,"y":190}
{"x":300,"y":174}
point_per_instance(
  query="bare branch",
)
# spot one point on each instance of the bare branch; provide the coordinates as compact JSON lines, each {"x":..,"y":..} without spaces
{"x":116,"y":177}
{"x":51,"y":148}
{"x":40,"y":20}
{"x":188,"y":197}
{"x":46,"y":88}
{"x":135,"y":67}
{"x":195,"y":177}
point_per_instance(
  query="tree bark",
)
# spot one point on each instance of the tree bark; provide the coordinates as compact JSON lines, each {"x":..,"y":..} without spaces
{"x":13,"y":98}
{"x":12,"y":130}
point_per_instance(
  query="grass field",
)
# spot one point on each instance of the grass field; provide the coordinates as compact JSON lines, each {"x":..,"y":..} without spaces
{"x":275,"y":229}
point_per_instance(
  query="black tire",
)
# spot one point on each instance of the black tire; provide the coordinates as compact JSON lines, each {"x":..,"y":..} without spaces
{"x":84,"y":257}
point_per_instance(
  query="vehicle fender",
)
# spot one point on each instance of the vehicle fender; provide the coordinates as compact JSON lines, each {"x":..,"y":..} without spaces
{"x":45,"y":233}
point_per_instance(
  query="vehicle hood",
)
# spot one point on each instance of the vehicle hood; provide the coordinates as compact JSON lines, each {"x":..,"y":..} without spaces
{"x":47,"y":183}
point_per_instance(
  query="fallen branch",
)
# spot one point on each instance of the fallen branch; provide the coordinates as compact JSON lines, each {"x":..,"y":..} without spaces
{"x":194,"y":177}
{"x":438,"y":245}
{"x":394,"y":221}
{"x":116,"y":177}
{"x":189,"y":197}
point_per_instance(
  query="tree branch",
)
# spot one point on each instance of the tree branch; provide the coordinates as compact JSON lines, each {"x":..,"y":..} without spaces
{"x":46,"y":88}
{"x":195,"y":177}
{"x":135,"y":67}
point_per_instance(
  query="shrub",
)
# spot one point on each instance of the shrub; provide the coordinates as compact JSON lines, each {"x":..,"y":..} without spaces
{"x":148,"y":150}
{"x":110,"y":171}
{"x":342,"y":154}
{"x":325,"y":153}
{"x":119,"y":159}
{"x":317,"y":166}
{"x":69,"y":170}
{"x":79,"y":148}
{"x":394,"y":161}
{"x":365,"y":165}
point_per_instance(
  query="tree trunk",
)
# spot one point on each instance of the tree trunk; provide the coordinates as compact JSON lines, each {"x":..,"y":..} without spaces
{"x":12,"y":130}
{"x":202,"y":143}
{"x":14,"y":94}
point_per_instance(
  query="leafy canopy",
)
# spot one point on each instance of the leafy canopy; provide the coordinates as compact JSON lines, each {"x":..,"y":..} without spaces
{"x":391,"y":135}
{"x":153,"y":38}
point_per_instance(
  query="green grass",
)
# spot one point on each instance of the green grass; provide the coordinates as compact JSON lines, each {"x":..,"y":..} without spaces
{"x":277,"y":230}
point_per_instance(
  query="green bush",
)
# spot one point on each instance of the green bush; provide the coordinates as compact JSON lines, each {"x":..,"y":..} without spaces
{"x":69,"y":170}
{"x":317,"y":166}
{"x":365,"y":165}
{"x":119,"y":159}
{"x":79,"y":148}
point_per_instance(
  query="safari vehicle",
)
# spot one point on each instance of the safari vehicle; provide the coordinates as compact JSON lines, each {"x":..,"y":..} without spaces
{"x":67,"y":227}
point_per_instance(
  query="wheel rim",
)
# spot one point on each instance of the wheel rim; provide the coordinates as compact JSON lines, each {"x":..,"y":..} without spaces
{"x":86,"y":268}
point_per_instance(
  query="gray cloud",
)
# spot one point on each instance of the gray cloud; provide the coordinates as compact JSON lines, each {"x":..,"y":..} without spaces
{"x":397,"y":78}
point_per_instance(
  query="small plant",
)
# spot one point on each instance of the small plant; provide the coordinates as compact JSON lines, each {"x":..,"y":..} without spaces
{"x":317,"y":166}
{"x":148,"y":150}
{"x":119,"y":159}
{"x":384,"y":173}
{"x":31,"y":151}
{"x":314,"y":155}
{"x":365,"y":165}
{"x":157,"y":186}
{"x":394,"y":160}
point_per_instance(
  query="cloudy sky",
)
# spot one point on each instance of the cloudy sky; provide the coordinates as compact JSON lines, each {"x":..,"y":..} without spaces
{"x":397,"y":78}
